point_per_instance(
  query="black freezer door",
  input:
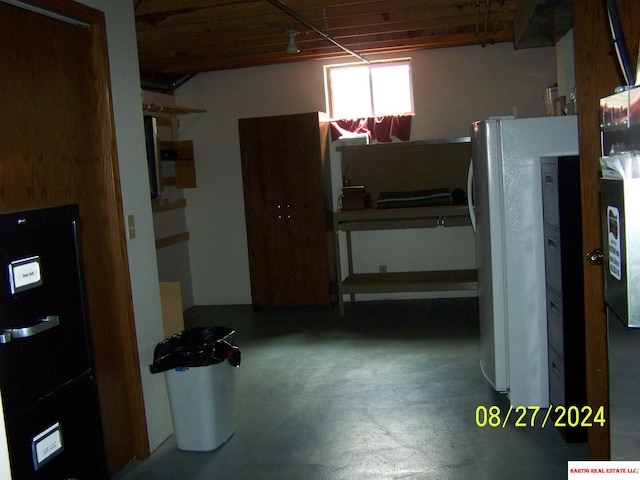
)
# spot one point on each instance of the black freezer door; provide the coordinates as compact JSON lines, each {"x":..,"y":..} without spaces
{"x":43,"y":335}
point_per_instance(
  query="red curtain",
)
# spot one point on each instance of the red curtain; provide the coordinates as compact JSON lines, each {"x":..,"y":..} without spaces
{"x":378,"y":128}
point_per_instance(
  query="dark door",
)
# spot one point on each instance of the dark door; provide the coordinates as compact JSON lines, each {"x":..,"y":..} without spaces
{"x":282,"y":167}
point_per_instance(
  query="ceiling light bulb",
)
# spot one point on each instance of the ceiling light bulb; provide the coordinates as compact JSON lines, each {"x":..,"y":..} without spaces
{"x":292,"y":47}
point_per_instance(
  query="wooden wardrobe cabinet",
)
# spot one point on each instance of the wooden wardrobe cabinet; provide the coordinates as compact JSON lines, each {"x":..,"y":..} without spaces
{"x":287,"y":196}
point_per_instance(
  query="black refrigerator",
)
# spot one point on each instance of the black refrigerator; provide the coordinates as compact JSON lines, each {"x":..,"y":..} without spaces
{"x":47,"y":382}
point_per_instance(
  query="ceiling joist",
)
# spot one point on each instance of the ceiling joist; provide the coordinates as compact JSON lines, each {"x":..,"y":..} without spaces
{"x":179,"y":38}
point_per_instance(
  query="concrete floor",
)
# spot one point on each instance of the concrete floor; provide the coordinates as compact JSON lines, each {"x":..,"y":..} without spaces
{"x":388,"y":391}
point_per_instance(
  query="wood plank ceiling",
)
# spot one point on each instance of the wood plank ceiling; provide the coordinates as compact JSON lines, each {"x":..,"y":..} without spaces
{"x":179,"y":38}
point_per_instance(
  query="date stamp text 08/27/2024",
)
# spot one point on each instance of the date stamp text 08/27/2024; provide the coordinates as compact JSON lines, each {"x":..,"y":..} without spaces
{"x":535,"y":416}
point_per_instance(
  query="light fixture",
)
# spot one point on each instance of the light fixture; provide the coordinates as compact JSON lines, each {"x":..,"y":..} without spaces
{"x":296,"y":16}
{"x":292,"y":31}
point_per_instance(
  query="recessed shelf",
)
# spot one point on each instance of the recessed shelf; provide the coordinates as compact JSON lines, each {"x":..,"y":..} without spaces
{"x":166,"y":205}
{"x":172,"y":240}
{"x":153,"y":108}
{"x":181,"y":154}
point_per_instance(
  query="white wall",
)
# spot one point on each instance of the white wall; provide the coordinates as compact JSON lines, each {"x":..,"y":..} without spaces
{"x":452,"y":88}
{"x":127,"y":109}
{"x":215,"y":213}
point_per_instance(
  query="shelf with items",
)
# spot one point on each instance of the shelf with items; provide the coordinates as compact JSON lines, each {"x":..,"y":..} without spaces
{"x":394,"y":146}
{"x":391,"y":282}
{"x":171,"y":110}
{"x":179,"y":171}
{"x":181,"y":154}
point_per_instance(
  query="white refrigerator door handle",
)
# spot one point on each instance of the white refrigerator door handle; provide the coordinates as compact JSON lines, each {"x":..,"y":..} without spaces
{"x":470,"y":202}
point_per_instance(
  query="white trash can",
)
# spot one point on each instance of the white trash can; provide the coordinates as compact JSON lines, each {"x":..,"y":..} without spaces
{"x":202,"y":405}
{"x":199,"y":365}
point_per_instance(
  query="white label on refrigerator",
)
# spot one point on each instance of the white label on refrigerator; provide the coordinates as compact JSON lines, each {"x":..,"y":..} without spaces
{"x":613,"y":228}
{"x":25,"y":274}
{"x":46,"y":445}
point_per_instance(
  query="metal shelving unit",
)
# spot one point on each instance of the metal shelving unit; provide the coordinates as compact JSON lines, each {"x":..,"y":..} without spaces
{"x":398,"y":218}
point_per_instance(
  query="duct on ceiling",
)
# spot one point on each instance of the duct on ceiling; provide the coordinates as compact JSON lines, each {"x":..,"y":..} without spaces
{"x":541,"y":23}
{"x":163,"y":84}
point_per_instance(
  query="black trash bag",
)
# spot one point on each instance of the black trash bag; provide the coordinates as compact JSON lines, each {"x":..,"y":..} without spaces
{"x":196,"y":347}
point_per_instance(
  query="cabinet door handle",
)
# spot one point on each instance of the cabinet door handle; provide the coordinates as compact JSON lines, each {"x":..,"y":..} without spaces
{"x":283,"y":212}
{"x":46,"y":323}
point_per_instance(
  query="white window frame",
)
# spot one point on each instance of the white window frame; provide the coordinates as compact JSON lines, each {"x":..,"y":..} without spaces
{"x":330,"y":95}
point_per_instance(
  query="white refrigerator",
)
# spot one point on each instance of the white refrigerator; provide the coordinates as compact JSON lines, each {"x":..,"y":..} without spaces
{"x":506,"y":211}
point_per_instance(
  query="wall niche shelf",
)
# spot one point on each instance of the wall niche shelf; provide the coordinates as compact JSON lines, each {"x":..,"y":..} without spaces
{"x":172,"y":240}
{"x":180,"y":154}
{"x":166,"y":205}
{"x":171,"y":110}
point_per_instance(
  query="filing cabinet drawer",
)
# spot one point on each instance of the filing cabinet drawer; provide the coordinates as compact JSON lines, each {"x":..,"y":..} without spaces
{"x":556,"y":379}
{"x":553,"y":257}
{"x":550,"y":204}
{"x":563,"y":258}
{"x":555,"y":322}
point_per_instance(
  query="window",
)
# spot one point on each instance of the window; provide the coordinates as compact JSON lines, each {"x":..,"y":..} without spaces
{"x":369,"y":90}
